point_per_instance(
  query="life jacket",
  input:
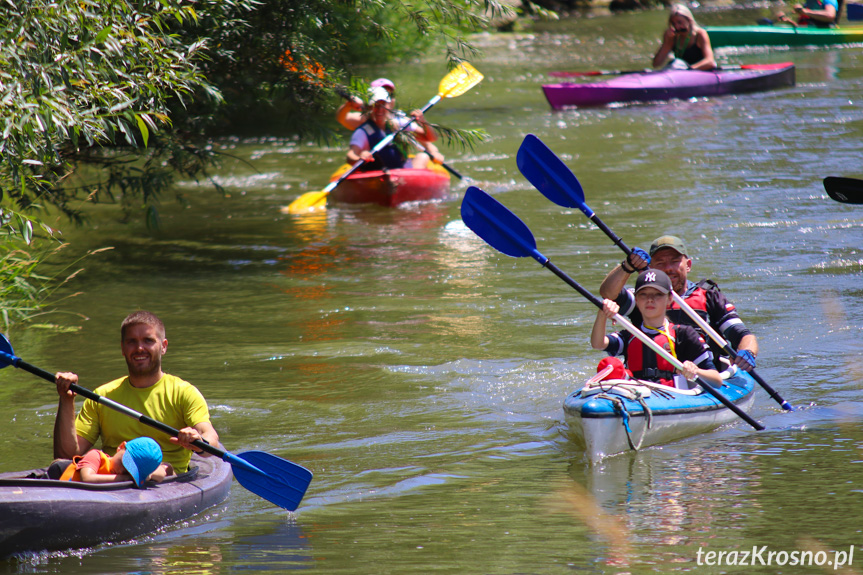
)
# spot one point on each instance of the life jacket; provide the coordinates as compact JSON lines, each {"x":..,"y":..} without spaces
{"x":697,"y":300}
{"x":72,"y":473}
{"x":644,"y":363}
{"x":389,"y":157}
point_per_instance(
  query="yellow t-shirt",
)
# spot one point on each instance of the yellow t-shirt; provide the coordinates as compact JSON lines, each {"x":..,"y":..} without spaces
{"x":170,"y":400}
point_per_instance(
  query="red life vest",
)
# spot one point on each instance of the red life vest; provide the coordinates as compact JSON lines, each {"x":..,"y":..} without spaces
{"x":697,"y":300}
{"x":644,"y":363}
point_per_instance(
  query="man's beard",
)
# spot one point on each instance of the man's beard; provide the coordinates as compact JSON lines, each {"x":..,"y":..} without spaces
{"x":150,"y":369}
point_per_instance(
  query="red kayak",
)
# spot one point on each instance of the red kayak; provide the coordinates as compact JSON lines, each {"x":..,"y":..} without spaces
{"x":391,"y":187}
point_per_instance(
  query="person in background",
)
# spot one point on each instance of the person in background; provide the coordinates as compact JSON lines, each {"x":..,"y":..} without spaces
{"x":652,"y":296}
{"x":686,"y":41}
{"x":146,"y":389}
{"x":139,"y":460}
{"x":353,"y":114}
{"x":817,"y":13}
{"x":381,"y":124}
{"x":669,"y":254}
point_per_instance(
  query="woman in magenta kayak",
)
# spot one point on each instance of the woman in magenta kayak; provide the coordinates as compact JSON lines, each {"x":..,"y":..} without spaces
{"x":686,"y":41}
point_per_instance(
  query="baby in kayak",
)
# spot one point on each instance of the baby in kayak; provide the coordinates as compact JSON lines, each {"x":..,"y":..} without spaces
{"x":139,"y":460}
{"x":652,"y":297}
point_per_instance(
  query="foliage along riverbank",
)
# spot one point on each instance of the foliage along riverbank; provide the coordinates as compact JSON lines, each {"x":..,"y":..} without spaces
{"x":111,"y":102}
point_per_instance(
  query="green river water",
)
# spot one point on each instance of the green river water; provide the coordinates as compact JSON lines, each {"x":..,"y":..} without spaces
{"x":420,"y":374}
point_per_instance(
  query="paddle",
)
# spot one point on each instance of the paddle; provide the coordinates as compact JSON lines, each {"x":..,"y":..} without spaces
{"x":556,"y":182}
{"x":550,"y":176}
{"x":723,"y":343}
{"x":460,"y":79}
{"x":277,"y":480}
{"x":341,"y":91}
{"x":502,"y":230}
{"x":845,"y":190}
{"x":624,"y":72}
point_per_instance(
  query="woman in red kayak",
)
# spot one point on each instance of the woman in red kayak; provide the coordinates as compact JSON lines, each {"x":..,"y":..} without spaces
{"x":686,"y":41}
{"x":381,"y":124}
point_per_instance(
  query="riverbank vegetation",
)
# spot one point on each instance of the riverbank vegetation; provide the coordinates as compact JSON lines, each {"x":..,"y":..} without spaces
{"x":112,"y":101}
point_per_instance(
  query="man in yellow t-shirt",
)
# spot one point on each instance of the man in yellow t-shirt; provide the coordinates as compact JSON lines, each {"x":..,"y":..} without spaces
{"x":148,"y":390}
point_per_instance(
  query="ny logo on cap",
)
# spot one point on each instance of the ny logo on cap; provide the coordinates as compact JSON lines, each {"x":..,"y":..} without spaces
{"x":650,"y":277}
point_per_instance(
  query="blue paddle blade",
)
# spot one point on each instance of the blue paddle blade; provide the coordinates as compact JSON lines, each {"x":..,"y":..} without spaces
{"x":499,"y":227}
{"x":549,"y":175}
{"x":6,"y":354}
{"x":277,"y":480}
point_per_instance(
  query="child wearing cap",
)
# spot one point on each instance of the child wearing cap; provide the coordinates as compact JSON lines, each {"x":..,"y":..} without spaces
{"x":137,"y":459}
{"x":652,"y":296}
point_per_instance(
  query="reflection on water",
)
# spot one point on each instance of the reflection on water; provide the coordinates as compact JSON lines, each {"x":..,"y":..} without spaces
{"x":577,"y":501}
{"x":286,"y":548}
{"x":191,"y":559}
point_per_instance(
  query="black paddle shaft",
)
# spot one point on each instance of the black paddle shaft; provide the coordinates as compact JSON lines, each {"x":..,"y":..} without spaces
{"x":611,"y":235}
{"x":84,"y":392}
{"x":774,"y":395}
{"x":572,"y":283}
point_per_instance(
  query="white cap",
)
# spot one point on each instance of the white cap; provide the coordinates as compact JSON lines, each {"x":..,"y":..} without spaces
{"x":377,"y":94}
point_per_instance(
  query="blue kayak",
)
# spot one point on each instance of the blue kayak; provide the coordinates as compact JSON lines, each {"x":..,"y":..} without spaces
{"x":615,"y":416}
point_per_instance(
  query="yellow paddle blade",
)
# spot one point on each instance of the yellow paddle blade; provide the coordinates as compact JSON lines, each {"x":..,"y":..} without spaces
{"x":308,"y":202}
{"x":461,"y":79}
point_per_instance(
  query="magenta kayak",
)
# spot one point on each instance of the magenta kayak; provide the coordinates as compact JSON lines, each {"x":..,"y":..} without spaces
{"x":670,"y":84}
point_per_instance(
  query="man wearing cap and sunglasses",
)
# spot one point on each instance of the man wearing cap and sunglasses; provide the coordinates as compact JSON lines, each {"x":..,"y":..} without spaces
{"x":352,"y":114}
{"x":668,"y":253}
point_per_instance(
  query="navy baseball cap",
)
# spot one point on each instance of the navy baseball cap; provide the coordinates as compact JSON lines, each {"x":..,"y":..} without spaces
{"x":655,"y":279}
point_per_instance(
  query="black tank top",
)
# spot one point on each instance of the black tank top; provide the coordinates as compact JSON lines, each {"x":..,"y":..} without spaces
{"x":690,"y":55}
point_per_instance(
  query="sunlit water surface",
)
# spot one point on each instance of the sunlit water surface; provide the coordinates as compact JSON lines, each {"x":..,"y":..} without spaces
{"x":420,"y":374}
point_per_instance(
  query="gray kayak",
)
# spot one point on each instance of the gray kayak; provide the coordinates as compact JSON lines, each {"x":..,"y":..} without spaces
{"x":50,"y":515}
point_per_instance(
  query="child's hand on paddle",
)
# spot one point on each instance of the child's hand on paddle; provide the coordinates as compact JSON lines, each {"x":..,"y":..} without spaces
{"x":689,"y":371}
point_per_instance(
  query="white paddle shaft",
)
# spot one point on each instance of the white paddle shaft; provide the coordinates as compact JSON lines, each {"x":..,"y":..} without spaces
{"x":699,"y":320}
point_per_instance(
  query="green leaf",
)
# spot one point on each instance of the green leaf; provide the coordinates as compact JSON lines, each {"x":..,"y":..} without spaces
{"x":142,"y":125}
{"x":102,"y":35}
{"x":25,"y":226}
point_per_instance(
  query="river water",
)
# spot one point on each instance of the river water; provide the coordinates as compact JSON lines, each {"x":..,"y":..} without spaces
{"x":420,"y":374}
